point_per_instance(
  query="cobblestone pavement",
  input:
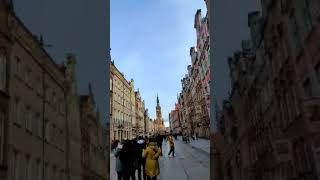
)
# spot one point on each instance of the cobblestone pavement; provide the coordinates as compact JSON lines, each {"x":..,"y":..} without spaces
{"x":192,"y":162}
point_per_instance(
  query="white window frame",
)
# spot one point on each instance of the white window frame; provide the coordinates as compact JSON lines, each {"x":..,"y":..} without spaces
{"x":111,"y":83}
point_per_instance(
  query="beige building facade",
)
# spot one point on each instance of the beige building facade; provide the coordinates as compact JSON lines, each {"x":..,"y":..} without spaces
{"x":37,"y":143}
{"x":121,"y":105}
{"x":133,"y":109}
{"x":140,"y":108}
{"x":39,"y":114}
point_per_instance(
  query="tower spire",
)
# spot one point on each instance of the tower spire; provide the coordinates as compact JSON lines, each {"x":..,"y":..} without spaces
{"x":157,"y":99}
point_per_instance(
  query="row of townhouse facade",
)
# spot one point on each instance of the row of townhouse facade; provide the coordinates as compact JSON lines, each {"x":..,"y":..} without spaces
{"x":192,"y":110}
{"x":129,"y":116}
{"x":269,"y":126}
{"x":40,"y":132}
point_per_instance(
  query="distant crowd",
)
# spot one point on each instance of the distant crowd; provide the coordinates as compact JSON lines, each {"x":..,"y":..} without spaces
{"x":140,"y":154}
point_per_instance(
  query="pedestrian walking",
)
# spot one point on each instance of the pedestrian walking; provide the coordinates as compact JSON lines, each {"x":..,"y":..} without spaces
{"x":152,"y":154}
{"x":128,"y":160}
{"x":119,"y":166}
{"x":171,"y":143}
{"x":159,"y":142}
{"x":141,"y":145}
{"x":197,"y":136}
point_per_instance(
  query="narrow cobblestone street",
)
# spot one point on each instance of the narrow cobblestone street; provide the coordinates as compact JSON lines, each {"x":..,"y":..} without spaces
{"x":192,"y":161}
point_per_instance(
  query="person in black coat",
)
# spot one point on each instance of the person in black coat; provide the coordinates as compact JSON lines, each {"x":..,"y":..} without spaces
{"x":141,"y":145}
{"x":159,"y":140}
{"x":128,"y":159}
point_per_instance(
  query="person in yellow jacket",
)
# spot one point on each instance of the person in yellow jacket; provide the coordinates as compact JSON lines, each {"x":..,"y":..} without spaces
{"x":171,"y":143}
{"x":152,"y":154}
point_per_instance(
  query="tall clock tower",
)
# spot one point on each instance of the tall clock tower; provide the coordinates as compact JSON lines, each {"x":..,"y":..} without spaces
{"x":159,"y":121}
{"x":158,"y":109}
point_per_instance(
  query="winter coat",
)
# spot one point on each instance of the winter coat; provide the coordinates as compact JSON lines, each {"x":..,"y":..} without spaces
{"x":171,"y":141}
{"x":152,"y":153}
{"x":128,"y":158}
{"x":119,"y":165}
{"x":141,"y":145}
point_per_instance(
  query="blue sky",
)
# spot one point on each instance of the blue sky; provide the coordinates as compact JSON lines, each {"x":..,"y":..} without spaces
{"x":150,"y":42}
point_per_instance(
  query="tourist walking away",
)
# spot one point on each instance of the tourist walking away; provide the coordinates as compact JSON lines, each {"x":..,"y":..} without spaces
{"x":171,"y":143}
{"x":141,"y":145}
{"x":119,"y":166}
{"x":159,"y":142}
{"x":127,"y":158}
{"x":197,"y":136}
{"x":152,"y":154}
{"x":193,"y":136}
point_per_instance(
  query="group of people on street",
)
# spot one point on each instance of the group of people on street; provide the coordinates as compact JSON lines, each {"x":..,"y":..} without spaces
{"x":140,"y":154}
{"x":186,"y":137}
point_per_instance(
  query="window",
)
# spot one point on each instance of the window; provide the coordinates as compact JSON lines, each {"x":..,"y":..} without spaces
{"x":62,"y":175}
{"x":18,"y":65}
{"x":62,"y":106}
{"x":16,"y":166}
{"x":295,"y":35}
{"x":46,"y":172}
{"x":53,"y":133}
{"x":48,"y":132}
{"x":17,"y":108}
{"x":2,"y":119}
{"x":27,"y":74}
{"x":307,"y":88}
{"x":54,"y":98}
{"x":27,"y":168}
{"x":306,"y":15}
{"x":39,"y":125}
{"x":3,"y":72}
{"x":28,"y":119}
{"x":38,"y":170}
{"x":38,"y":85}
{"x":111,"y":85}
{"x":54,"y":172}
